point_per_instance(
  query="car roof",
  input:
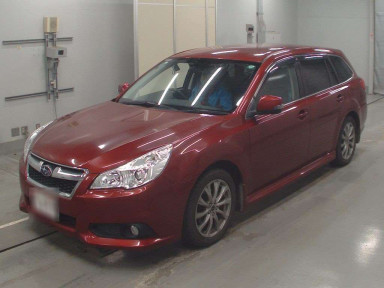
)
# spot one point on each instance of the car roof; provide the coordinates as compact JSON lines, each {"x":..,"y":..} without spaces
{"x":253,"y":52}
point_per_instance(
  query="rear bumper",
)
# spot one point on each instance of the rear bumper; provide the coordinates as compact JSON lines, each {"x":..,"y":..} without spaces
{"x":160,"y":205}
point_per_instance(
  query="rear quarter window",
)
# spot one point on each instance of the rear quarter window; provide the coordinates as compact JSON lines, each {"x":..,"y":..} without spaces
{"x":342,"y":69}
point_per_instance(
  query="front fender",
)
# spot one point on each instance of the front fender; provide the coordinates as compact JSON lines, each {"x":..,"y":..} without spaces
{"x":228,"y":141}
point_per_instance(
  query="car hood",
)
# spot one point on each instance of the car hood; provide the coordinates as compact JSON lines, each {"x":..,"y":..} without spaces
{"x":107,"y":135}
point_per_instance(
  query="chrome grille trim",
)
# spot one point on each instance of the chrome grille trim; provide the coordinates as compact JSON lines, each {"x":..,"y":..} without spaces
{"x":60,"y":172}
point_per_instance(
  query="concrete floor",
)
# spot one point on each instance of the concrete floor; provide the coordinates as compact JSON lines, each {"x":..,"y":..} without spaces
{"x":324,"y":231}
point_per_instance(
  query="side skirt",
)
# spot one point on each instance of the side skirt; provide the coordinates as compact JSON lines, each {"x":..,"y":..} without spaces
{"x":259,"y":194}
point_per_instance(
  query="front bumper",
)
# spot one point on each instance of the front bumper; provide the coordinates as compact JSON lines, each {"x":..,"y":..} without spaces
{"x":159,"y":205}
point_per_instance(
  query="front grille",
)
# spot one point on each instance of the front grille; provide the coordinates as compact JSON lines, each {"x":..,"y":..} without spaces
{"x":65,"y":186}
{"x":64,"y":179}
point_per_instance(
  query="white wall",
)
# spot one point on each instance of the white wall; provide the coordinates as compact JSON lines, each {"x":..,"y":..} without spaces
{"x":379,"y":48}
{"x":281,"y":16}
{"x":232,"y":16}
{"x":342,"y":24}
{"x":99,"y":58}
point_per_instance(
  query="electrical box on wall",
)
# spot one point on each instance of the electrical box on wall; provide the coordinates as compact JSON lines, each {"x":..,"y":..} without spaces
{"x":51,"y":24}
{"x":250,"y":29}
{"x":56,"y":52}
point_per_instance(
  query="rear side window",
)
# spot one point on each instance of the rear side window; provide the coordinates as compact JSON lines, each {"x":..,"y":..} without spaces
{"x":315,"y":74}
{"x":342,"y":69}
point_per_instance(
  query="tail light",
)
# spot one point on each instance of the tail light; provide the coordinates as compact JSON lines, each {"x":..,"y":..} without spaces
{"x":362,"y":84}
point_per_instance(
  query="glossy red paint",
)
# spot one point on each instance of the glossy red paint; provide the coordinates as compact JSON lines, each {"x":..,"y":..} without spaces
{"x":269,"y":104}
{"x":266,"y":151}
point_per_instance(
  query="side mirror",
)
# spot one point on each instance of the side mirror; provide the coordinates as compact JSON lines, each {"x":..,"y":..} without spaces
{"x":269,"y":104}
{"x":123,"y":87}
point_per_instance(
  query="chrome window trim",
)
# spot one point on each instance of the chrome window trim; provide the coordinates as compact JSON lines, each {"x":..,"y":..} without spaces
{"x":248,"y":114}
{"x":58,"y":172}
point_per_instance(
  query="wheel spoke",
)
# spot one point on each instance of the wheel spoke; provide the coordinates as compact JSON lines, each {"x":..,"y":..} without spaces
{"x":216,"y":186}
{"x":224,"y":202}
{"x":216,"y":221}
{"x":346,"y":151}
{"x":350,"y":132}
{"x":222,"y":213}
{"x":208,"y":191}
{"x":202,"y":214}
{"x":223,"y":190}
{"x":202,"y":202}
{"x":210,"y":225}
{"x":205,"y":222}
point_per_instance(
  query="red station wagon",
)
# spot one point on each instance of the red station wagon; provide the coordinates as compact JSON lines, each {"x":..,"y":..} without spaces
{"x":204,"y":133}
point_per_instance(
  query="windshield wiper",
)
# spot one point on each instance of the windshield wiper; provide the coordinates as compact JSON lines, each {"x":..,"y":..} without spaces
{"x":176,"y":108}
{"x":205,"y":111}
{"x":149,"y":104}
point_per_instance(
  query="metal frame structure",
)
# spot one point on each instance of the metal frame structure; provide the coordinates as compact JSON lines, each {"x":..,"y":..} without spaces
{"x":47,"y":40}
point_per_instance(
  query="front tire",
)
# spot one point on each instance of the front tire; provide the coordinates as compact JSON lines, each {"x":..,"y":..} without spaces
{"x":209,"y":210}
{"x":346,"y":144}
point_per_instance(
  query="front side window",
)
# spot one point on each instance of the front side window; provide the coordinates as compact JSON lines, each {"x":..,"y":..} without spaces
{"x":282,"y":82}
{"x":193,"y":85}
{"x":315,"y":75}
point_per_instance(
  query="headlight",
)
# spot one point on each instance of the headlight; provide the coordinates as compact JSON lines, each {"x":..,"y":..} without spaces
{"x":30,"y":139}
{"x":137,"y":172}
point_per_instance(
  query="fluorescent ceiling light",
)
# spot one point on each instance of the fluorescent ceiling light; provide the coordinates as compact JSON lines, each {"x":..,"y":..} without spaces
{"x":206,"y":85}
{"x":166,"y":89}
{"x":225,"y":52}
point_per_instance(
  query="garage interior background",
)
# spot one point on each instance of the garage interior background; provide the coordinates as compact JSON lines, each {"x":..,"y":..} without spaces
{"x":116,"y":40}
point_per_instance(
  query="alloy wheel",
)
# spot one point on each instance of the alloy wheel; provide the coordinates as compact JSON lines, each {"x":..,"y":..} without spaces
{"x":348,"y":141}
{"x":213,"y":208}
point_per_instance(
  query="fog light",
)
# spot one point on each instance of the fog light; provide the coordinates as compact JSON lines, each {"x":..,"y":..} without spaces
{"x":134,"y":230}
{"x":122,"y":231}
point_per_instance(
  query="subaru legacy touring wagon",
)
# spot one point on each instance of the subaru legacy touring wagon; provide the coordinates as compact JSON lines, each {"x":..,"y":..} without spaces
{"x":204,"y":133}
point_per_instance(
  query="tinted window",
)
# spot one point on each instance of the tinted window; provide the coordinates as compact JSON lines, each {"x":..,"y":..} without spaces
{"x":282,"y":82}
{"x":314,"y":72}
{"x":342,"y":69}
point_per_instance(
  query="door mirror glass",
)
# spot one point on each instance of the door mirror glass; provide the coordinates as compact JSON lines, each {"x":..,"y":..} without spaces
{"x":123,"y":87}
{"x":270,"y":104}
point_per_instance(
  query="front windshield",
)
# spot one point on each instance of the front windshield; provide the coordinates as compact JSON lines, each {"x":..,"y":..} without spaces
{"x":193,"y":85}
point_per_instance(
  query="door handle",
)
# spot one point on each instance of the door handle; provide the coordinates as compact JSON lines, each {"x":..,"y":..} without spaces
{"x":302,"y":114}
{"x":340,"y":98}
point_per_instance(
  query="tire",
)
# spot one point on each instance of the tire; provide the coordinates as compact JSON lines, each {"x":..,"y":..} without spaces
{"x":346,"y":143}
{"x":206,"y":221}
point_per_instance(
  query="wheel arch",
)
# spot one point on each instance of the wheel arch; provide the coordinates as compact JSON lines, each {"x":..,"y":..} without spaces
{"x":234,"y":171}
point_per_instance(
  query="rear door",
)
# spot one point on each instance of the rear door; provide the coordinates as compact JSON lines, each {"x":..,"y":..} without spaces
{"x":318,"y":78}
{"x":279,"y":143}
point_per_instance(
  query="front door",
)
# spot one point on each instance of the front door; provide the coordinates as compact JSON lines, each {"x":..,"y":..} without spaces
{"x":279,"y":143}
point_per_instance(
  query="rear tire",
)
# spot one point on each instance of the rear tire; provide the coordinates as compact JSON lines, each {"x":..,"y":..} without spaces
{"x":209,"y":210}
{"x":346,"y":143}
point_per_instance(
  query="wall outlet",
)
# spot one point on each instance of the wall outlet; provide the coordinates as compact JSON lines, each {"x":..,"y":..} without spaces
{"x":15,"y":132}
{"x":24,"y":130}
